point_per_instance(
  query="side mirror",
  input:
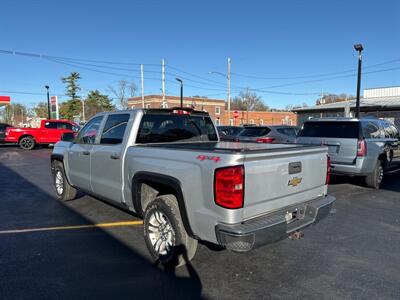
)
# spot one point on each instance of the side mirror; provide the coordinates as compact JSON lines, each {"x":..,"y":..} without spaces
{"x":68,"y":137}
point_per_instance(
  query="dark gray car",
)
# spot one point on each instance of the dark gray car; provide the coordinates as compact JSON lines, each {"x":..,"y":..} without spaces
{"x":357,"y":147}
{"x":3,"y":127}
{"x":268,"y":134}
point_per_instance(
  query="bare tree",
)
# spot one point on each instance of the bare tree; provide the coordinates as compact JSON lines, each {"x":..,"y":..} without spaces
{"x":123,"y":91}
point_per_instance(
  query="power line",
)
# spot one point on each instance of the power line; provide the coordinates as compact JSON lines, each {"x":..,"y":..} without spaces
{"x":329,"y":78}
{"x":317,"y":75}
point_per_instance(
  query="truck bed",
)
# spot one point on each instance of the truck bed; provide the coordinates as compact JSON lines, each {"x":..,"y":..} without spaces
{"x":230,"y":147}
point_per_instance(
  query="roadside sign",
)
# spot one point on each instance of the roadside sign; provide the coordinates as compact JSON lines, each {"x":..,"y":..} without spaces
{"x":54,"y":107}
{"x":5,"y":100}
{"x":236,"y":114}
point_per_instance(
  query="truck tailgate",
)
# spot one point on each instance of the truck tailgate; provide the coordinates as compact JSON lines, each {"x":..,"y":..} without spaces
{"x":274,"y":180}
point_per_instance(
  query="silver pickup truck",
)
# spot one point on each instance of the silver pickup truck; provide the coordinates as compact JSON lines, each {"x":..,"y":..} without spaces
{"x":169,"y":167}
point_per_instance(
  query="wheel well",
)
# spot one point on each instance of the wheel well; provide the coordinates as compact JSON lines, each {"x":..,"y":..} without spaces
{"x":146,"y":186}
{"x":148,"y":191}
{"x":25,"y":135}
{"x":383,"y":158}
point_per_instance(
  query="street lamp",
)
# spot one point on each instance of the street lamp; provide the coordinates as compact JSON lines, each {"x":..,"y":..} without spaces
{"x":181,"y":82}
{"x":228,"y":80}
{"x":359,"y":48}
{"x":48,"y":102}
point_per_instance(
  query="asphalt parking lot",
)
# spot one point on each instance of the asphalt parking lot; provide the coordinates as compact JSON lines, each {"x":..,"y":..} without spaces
{"x":88,"y":249}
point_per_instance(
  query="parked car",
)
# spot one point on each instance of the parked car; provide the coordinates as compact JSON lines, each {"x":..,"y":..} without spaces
{"x":357,"y":147}
{"x":168,"y":166}
{"x":228,"y":133}
{"x":49,"y":132}
{"x":3,"y":127}
{"x":268,"y":134}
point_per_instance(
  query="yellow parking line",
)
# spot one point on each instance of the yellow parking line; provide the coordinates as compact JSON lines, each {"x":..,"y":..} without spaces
{"x":100,"y":225}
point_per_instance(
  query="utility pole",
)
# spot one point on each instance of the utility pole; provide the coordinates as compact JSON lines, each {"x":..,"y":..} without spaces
{"x":142,"y":84}
{"x":163,"y":82}
{"x":228,"y":77}
{"x":181,"y":82}
{"x":48,"y":102}
{"x":359,"y":48}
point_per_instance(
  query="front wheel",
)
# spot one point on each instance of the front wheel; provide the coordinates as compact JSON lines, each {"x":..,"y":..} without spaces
{"x":64,"y":190}
{"x":165,"y":235}
{"x":27,"y":143}
{"x":374,"y":179}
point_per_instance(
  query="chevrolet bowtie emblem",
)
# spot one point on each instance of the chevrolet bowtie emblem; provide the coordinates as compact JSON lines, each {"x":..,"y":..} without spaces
{"x":295,"y":181}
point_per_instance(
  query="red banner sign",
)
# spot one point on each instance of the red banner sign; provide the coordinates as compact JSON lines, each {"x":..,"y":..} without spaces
{"x":5,"y":99}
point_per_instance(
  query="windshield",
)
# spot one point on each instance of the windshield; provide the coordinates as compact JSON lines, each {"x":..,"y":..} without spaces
{"x":162,"y":128}
{"x":326,"y":129}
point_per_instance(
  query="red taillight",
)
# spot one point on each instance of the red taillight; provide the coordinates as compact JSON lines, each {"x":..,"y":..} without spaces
{"x":180,"y":112}
{"x":361,"y":148}
{"x":328,"y":170}
{"x":265,"y":140}
{"x":229,"y":187}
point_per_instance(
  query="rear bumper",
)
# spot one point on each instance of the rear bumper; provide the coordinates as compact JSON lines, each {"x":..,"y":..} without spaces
{"x":267,"y":229}
{"x":362,"y":166}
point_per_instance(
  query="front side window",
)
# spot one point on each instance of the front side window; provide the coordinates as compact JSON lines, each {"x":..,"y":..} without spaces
{"x":88,"y":133}
{"x":50,"y":125}
{"x":65,"y":126}
{"x":114,"y":129}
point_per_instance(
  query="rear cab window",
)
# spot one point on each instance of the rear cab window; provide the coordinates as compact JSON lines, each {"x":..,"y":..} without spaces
{"x":167,"y":127}
{"x":114,"y":129}
{"x":254,"y":131}
{"x":331,"y":129}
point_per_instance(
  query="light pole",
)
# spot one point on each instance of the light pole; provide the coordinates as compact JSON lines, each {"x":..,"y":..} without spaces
{"x":359,"y":48}
{"x":228,"y":81}
{"x":181,"y":82}
{"x":48,"y":102}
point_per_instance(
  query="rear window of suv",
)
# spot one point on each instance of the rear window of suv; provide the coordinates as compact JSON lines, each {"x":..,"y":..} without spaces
{"x":255,"y":131}
{"x":346,"y":130}
{"x":164,"y":128}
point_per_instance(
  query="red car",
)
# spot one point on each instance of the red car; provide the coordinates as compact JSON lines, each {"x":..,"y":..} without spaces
{"x":50,"y":132}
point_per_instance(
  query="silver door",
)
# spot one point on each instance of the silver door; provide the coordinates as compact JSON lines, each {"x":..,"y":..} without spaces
{"x":79,"y":154}
{"x":106,"y":159}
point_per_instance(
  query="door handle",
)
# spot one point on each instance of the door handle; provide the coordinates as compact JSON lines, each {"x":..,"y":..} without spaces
{"x":115,"y":156}
{"x":86,"y":153}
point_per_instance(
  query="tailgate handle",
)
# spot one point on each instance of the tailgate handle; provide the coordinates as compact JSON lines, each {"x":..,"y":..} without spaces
{"x":295,"y":167}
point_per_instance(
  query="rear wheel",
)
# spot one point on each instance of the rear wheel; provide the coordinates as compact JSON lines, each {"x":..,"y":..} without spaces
{"x":374,"y":179}
{"x":64,"y":190}
{"x":165,"y":235}
{"x":27,"y":143}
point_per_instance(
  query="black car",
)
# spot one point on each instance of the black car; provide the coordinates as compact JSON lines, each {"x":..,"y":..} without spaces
{"x":3,"y":127}
{"x":228,"y":133}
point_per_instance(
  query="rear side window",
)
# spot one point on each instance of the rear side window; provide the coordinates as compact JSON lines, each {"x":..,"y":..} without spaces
{"x":388,"y":130}
{"x":371,"y":130}
{"x":287,"y":131}
{"x":255,"y":131}
{"x":326,"y":129}
{"x":163,"y":128}
{"x":114,"y":129}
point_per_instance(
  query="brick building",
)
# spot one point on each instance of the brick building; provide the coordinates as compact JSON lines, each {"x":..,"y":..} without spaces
{"x":216,"y":109}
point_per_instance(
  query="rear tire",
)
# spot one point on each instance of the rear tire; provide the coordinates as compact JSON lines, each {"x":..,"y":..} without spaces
{"x":165,"y":235}
{"x":64,"y":191}
{"x":374,"y":179}
{"x":27,"y":143}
